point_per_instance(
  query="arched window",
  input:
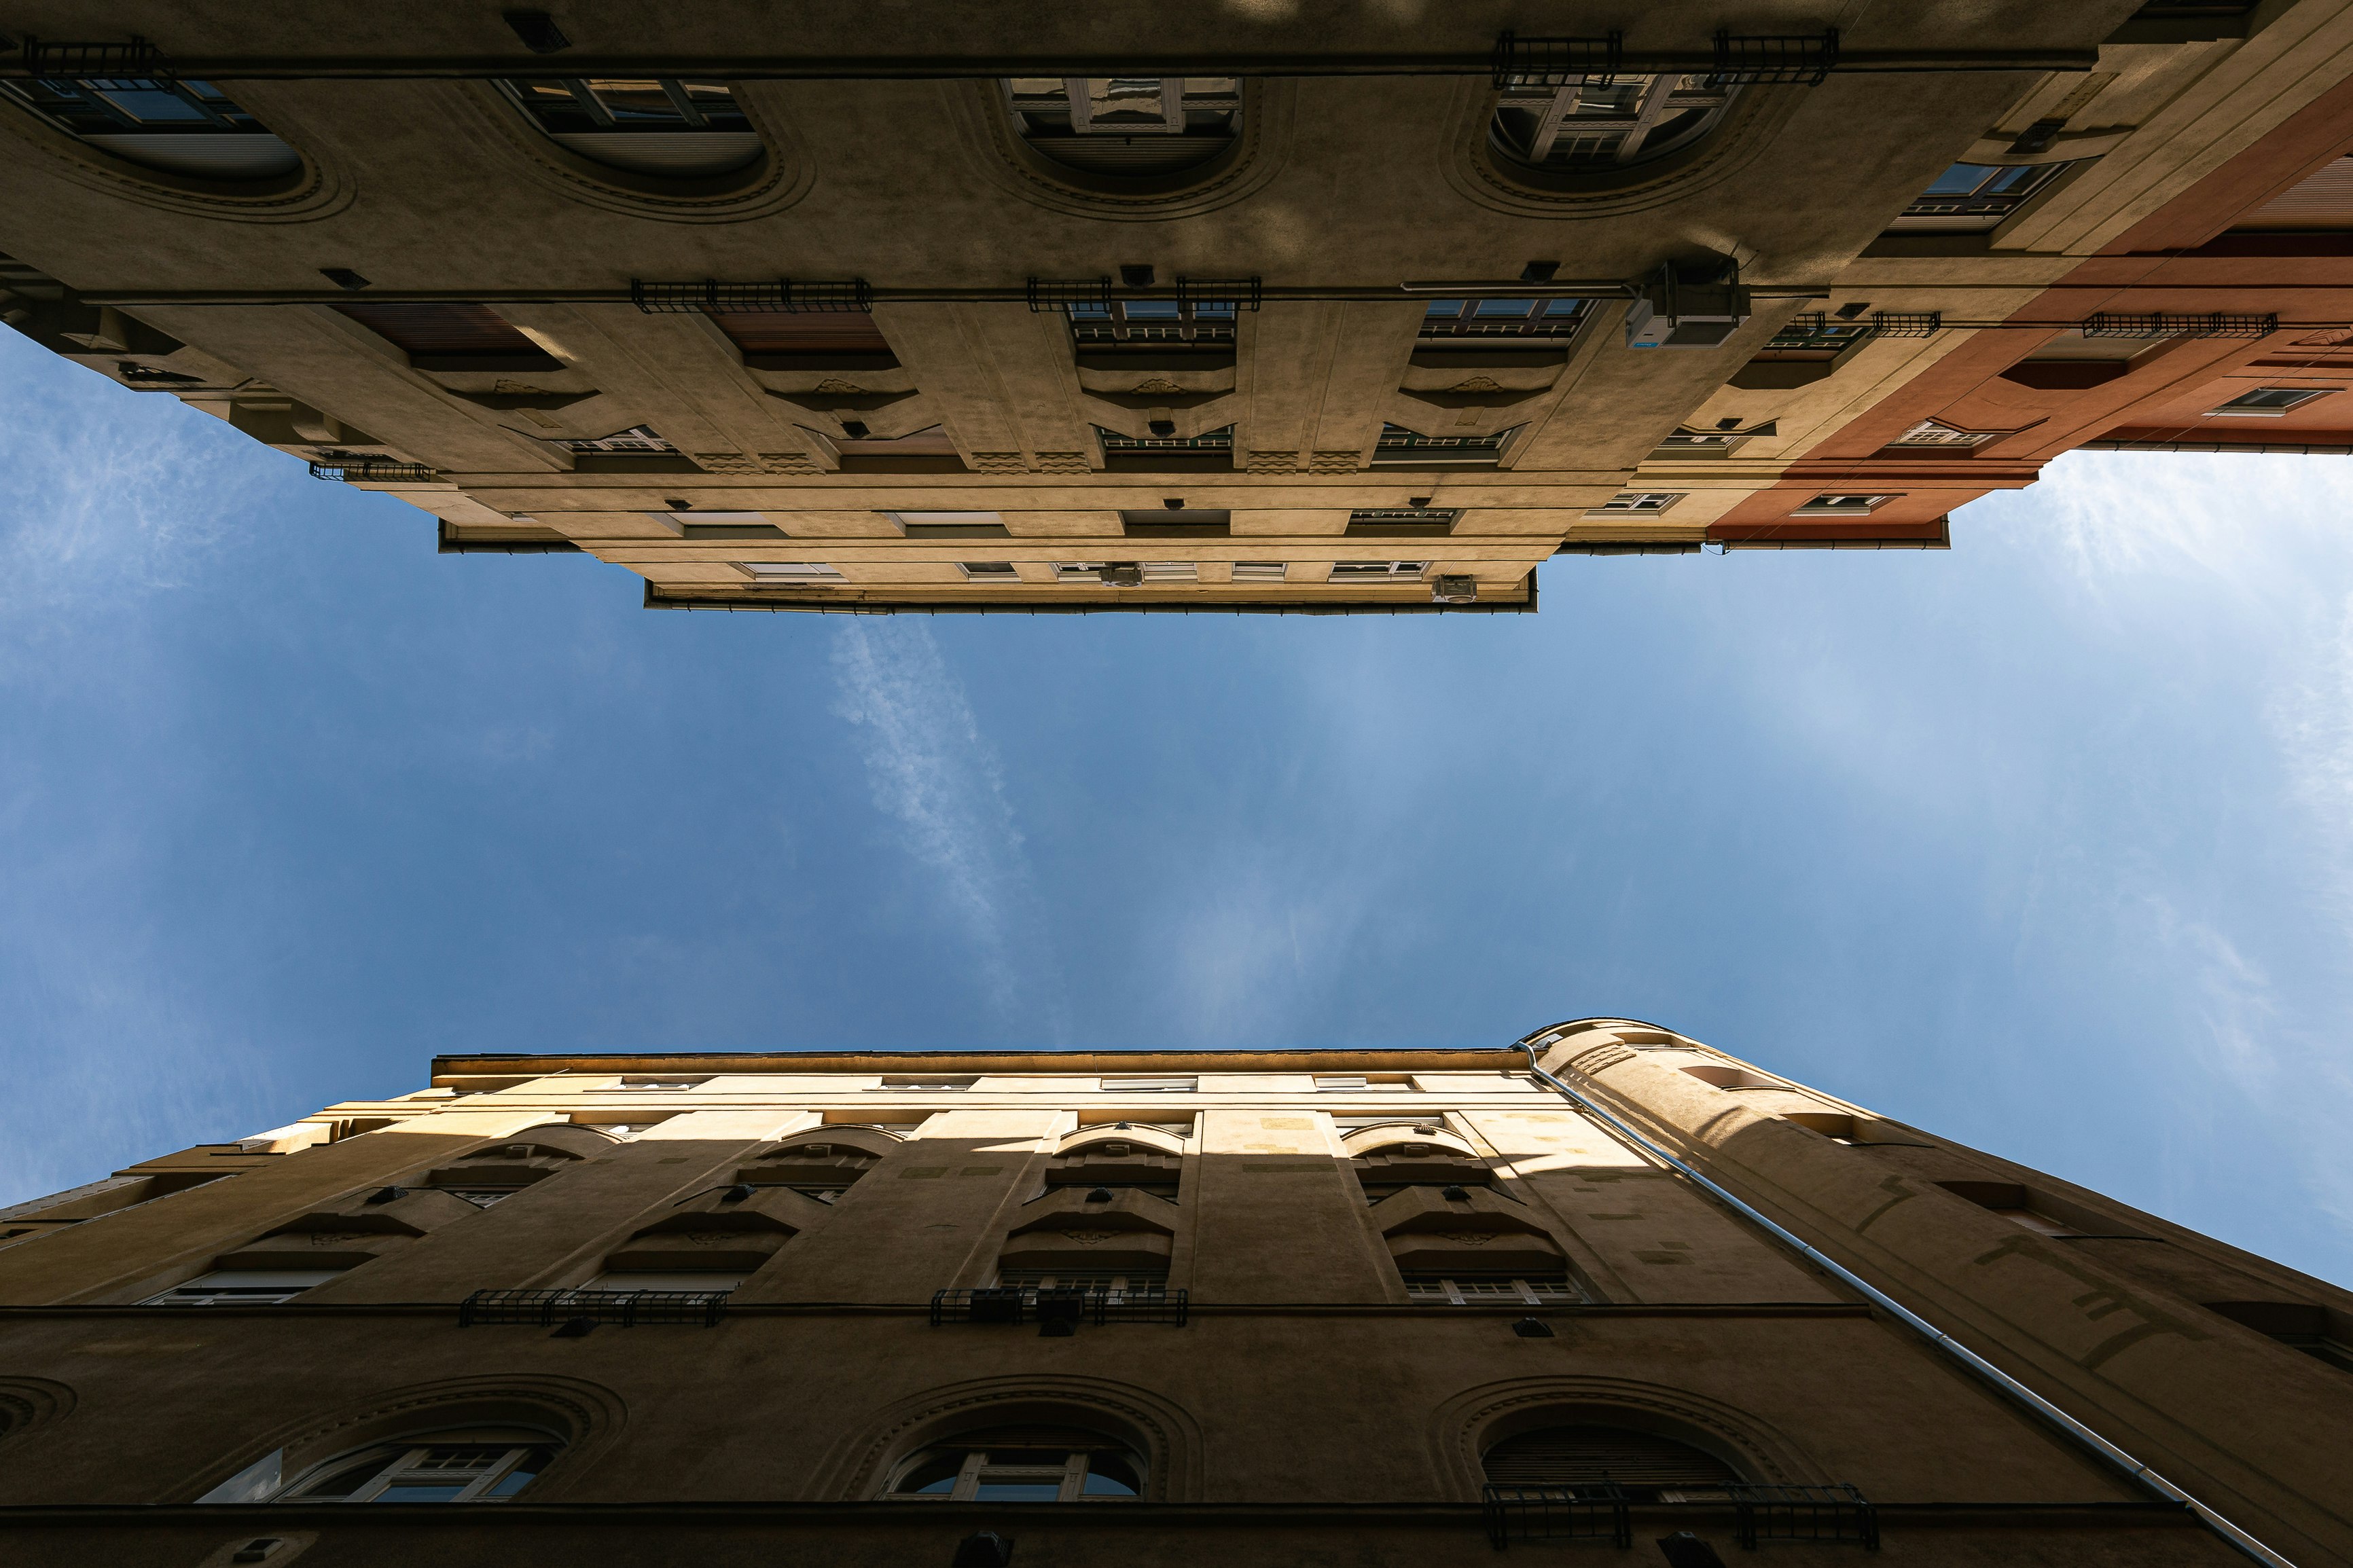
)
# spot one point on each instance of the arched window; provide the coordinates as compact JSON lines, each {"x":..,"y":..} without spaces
{"x":1644,"y":1464}
{"x":471,"y":1464}
{"x":657,"y":126}
{"x":1138,"y":127}
{"x":1023,"y":1463}
{"x":180,"y":127}
{"x":1581,"y":126}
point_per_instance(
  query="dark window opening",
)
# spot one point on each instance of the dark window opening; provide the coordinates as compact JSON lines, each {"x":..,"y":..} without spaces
{"x":182,"y":127}
{"x":1500,"y":318}
{"x":1127,"y":127}
{"x":806,"y":340}
{"x":439,"y":337}
{"x":1973,"y":198}
{"x":1644,"y":1464}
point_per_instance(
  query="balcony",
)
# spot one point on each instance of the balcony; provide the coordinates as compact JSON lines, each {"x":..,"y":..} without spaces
{"x":1059,"y":1309}
{"x":629,"y":1308}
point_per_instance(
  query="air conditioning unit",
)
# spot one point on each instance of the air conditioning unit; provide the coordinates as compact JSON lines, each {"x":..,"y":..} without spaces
{"x":1687,"y":306}
{"x":1455,"y":591}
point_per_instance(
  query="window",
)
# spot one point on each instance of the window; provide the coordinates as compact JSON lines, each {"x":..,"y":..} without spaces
{"x":1113,"y":443}
{"x":1097,"y":572}
{"x":637,"y":441}
{"x":1936,"y":433}
{"x":243,"y":1288}
{"x":1365,"y":570}
{"x":1132,"y":127}
{"x":639,"y":1281}
{"x":1169,"y":571}
{"x":791,"y":572}
{"x":1468,"y":1288}
{"x":1149,"y":1085}
{"x":1401,"y":447}
{"x":1121,"y":1285}
{"x":925,"y":1084}
{"x":679,"y":129}
{"x":1976,"y":196}
{"x":1023,"y":1463}
{"x":1644,"y":1464}
{"x":1260,"y":571}
{"x":1345,"y":1080}
{"x":479,"y":1464}
{"x":1152,"y":323}
{"x":2295,"y":1325}
{"x":659,"y":1085}
{"x":989,"y":571}
{"x":438,"y":337}
{"x":1842,"y":506}
{"x":2269,"y":401}
{"x":180,"y":127}
{"x":1402,"y":522}
{"x":1581,"y":125}
{"x":1636,"y":503}
{"x":481,"y":1198}
{"x":1709,"y":443}
{"x":1814,"y":333}
{"x":950,"y":524}
{"x":1500,"y":318}
{"x":806,"y":340}
{"x":1178,"y":522}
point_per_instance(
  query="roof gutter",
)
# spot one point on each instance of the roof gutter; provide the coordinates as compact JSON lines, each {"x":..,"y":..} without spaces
{"x":1968,"y":1359}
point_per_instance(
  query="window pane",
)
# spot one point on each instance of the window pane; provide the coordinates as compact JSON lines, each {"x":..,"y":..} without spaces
{"x":1504,"y":307}
{"x":1101,"y":1483}
{"x":1444,"y":308}
{"x":412,"y":1491}
{"x":150,"y":103}
{"x":1959,"y":180}
{"x":1019,"y":1491}
{"x":1151,"y":311}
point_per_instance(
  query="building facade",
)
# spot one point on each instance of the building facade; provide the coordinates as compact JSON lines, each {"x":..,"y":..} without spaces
{"x":1379,"y":1307}
{"x":1296,"y":308}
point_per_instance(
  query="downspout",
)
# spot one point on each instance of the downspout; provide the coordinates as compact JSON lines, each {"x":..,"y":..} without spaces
{"x":1985,"y":1370}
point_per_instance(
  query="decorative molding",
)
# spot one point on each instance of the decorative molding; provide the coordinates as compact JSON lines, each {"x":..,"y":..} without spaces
{"x":588,"y":1415}
{"x":780,"y":178}
{"x":1475,"y":1419}
{"x":1600,"y":1059}
{"x":29,"y":1403}
{"x":1469,"y":164}
{"x":854,"y":1471}
{"x":317,"y":189}
{"x":984,"y":127}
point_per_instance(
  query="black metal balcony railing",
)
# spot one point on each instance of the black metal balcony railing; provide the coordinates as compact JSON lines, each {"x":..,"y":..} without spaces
{"x":1048,"y":1305}
{"x":1770,"y":1512}
{"x":1592,"y":1512}
{"x":1527,"y":63}
{"x":1773,"y":60}
{"x":783,"y":295}
{"x":372,"y":470}
{"x":545,"y":1309}
{"x":2173,"y":324}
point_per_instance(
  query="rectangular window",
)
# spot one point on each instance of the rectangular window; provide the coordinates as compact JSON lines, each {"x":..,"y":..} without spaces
{"x":1401,"y":447}
{"x":1470,"y":1289}
{"x":1445,"y":319}
{"x":791,"y":572}
{"x":989,"y":571}
{"x":242,"y":1288}
{"x":1842,"y":506}
{"x":637,"y":441}
{"x":438,"y":337}
{"x":1363,"y":571}
{"x":924,"y":1083}
{"x":1150,"y":1085}
{"x":1113,"y":443}
{"x":719,"y":525}
{"x":1401,"y":522}
{"x":1636,"y":503}
{"x":1179,"y":522}
{"x":1936,"y":433}
{"x":1973,"y":198}
{"x":950,"y":524}
{"x":1260,"y":571}
{"x":659,"y":1085}
{"x":1084,"y":570}
{"x":1153,"y":323}
{"x":634,"y":1280}
{"x":783,"y":339}
{"x":1813,"y":335}
{"x":2268,"y":402}
{"x":1169,"y":571}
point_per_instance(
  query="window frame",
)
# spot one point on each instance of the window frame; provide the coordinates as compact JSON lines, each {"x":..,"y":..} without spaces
{"x":1827,"y":504}
{"x":2301,"y":396}
{"x":402,"y":1461}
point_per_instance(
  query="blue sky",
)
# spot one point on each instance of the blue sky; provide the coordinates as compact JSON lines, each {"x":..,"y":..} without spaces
{"x":2045,"y":843}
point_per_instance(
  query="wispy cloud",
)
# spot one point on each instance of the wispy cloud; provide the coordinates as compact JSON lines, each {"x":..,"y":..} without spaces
{"x":932,"y":769}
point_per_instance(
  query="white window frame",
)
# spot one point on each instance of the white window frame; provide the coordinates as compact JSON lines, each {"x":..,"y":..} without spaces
{"x":1383,"y":570}
{"x":2305,"y":395}
{"x":1637,"y":503}
{"x":408,"y":1466}
{"x":989,"y":571}
{"x":1149,"y":1085}
{"x":1262,"y":571}
{"x":790,"y":572}
{"x":1936,"y":433}
{"x":243,"y":1288}
{"x":1826,"y":505}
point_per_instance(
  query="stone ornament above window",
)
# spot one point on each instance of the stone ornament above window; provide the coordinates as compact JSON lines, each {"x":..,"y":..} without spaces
{"x":1114,"y":147}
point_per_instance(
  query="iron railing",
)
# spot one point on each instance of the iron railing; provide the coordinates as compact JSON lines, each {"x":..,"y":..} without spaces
{"x":1907,"y":323}
{"x":373,"y":470}
{"x":545,"y":1309}
{"x":1556,"y":62}
{"x":1588,"y":1513}
{"x":1046,"y":1305}
{"x":784,"y":296}
{"x":2178,"y":324}
{"x":1773,"y":60}
{"x":1775,"y":1511}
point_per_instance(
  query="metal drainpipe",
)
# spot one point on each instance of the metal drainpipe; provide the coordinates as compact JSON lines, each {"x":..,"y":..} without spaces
{"x":2001,"y":1381}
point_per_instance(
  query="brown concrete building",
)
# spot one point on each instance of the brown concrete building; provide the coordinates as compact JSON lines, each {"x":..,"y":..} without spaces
{"x":1380,"y":1307}
{"x":1310,"y":306}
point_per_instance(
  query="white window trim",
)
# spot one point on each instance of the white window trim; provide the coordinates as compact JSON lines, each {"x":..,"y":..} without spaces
{"x":1815,"y":508}
{"x":1666,"y":500}
{"x":789,"y":571}
{"x":2311,"y":394}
